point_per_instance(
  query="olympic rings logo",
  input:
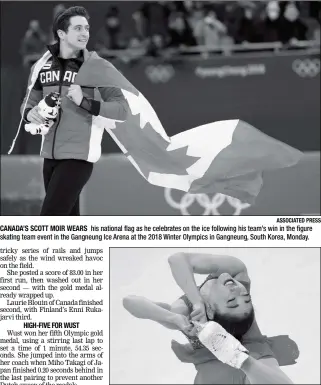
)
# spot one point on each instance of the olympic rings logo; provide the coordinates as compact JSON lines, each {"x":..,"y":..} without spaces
{"x":306,"y":68}
{"x":210,"y":205}
{"x":159,"y":73}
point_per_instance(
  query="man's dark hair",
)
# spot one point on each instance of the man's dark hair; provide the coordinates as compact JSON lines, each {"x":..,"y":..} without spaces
{"x":62,"y":20}
{"x":235,"y":326}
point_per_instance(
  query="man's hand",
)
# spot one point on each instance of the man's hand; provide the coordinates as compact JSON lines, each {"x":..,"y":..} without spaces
{"x":294,"y":41}
{"x":199,"y":313}
{"x":33,"y":116}
{"x":75,"y":94}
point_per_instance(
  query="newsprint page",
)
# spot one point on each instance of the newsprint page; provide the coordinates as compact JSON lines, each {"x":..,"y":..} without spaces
{"x":106,"y":300}
{"x":160,"y":192}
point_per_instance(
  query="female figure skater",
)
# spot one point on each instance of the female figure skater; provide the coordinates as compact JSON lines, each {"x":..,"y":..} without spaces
{"x":217,"y":318}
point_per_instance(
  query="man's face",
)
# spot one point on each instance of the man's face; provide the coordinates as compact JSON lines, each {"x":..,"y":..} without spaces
{"x":273,"y":10}
{"x":112,"y":22}
{"x":77,"y":34}
{"x":34,"y":25}
{"x":291,"y":12}
{"x":248,"y":14}
{"x":178,"y":23}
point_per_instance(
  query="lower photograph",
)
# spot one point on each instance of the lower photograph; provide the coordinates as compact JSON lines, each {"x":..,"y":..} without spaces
{"x":214,"y":316}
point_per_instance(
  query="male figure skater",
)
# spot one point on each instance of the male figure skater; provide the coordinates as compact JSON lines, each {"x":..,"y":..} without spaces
{"x":73,"y":143}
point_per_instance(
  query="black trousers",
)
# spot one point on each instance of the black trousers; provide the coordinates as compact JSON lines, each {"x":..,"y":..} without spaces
{"x":64,"y":180}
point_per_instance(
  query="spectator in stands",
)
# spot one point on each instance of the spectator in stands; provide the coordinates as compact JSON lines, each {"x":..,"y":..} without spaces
{"x":135,"y":43}
{"x":189,"y":6}
{"x":33,"y":43}
{"x":311,"y":20}
{"x":315,"y":10}
{"x":293,"y":28}
{"x":108,"y":37}
{"x":248,"y":28}
{"x":180,"y":32}
{"x":156,"y":46}
{"x":232,"y":17}
{"x":316,"y":35}
{"x":140,"y":25}
{"x":136,"y":49}
{"x":269,"y":29}
{"x":197,"y":23}
{"x":215,"y":32}
{"x":150,"y":28}
{"x":57,"y":9}
{"x":154,"y":18}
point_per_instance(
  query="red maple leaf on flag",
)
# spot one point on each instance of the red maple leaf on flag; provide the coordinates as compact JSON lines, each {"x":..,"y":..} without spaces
{"x":148,"y":148}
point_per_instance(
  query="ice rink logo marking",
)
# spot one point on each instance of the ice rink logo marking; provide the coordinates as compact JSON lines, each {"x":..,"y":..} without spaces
{"x":159,"y":73}
{"x":210,"y":205}
{"x":306,"y":68}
